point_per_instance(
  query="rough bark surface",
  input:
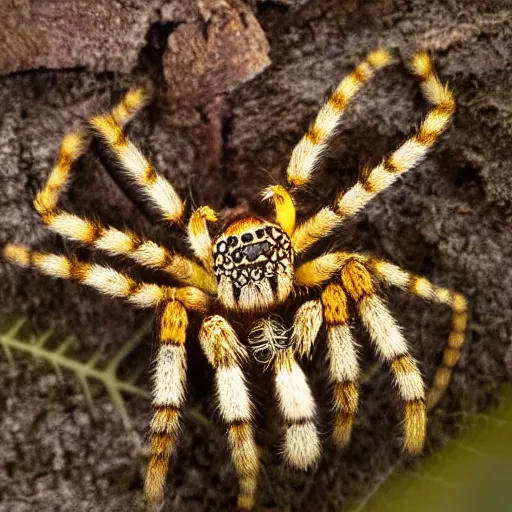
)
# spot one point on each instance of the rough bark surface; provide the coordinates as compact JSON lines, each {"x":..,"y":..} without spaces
{"x":221,"y":132}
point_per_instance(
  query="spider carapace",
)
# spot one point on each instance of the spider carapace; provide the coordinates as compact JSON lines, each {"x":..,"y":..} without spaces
{"x":250,"y":270}
{"x":253,"y":264}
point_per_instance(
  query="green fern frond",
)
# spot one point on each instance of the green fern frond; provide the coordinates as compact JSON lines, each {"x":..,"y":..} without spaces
{"x":85,"y":371}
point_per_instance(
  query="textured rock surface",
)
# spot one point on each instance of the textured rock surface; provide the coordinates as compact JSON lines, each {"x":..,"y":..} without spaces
{"x":450,"y":219}
{"x":220,"y":47}
{"x":100,"y":35}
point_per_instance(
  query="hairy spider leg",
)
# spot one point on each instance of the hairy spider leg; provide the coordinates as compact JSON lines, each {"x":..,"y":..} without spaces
{"x":392,"y":347}
{"x":422,"y":287}
{"x":169,"y":386}
{"x":105,"y":279}
{"x":308,"y":151}
{"x":199,"y":236}
{"x":301,"y":447}
{"x":74,"y":145}
{"x":405,"y":158}
{"x":319,"y":270}
{"x":155,"y":188}
{"x":343,"y":363}
{"x":226,"y":354}
{"x":114,"y":242}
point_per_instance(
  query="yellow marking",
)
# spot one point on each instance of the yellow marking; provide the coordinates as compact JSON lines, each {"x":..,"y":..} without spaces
{"x":73,"y":144}
{"x":165,"y":420}
{"x":361,"y":73}
{"x":379,"y":58}
{"x":346,"y":397}
{"x":198,"y":218}
{"x":342,"y":429}
{"x":319,"y":270}
{"x":72,"y":147}
{"x":162,"y":446}
{"x":415,"y":426}
{"x":357,"y":280}
{"x":285,"y":209}
{"x":17,"y":254}
{"x":456,"y":340}
{"x":433,"y":125}
{"x":109,"y":129}
{"x":443,"y":295}
{"x":243,"y":225}
{"x":191,"y":273}
{"x":421,"y":65}
{"x":245,"y":459}
{"x":131,"y":103}
{"x":403,"y":365}
{"x":297,"y":181}
{"x":150,"y":174}
{"x":459,"y":303}
{"x":318,"y":226}
{"x":315,"y":135}
{"x":192,"y":298}
{"x":338,"y":101}
{"x":451,"y":357}
{"x":421,"y":286}
{"x":220,"y":343}
{"x":173,"y":324}
{"x":459,"y":322}
{"x":199,"y":236}
{"x":245,"y":456}
{"x":335,"y":305}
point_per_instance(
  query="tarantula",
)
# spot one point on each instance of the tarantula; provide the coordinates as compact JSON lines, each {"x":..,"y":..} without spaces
{"x":249,"y":270}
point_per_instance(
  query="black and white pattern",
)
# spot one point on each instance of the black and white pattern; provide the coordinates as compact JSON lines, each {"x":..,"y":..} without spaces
{"x":258,"y":254}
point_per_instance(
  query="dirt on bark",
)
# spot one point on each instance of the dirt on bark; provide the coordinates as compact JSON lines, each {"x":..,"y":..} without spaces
{"x":237,"y":84}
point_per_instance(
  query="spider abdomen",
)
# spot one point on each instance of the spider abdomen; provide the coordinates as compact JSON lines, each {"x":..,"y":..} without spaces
{"x":253,"y":265}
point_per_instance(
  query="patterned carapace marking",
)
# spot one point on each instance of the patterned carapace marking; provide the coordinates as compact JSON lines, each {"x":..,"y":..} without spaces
{"x":257,"y":254}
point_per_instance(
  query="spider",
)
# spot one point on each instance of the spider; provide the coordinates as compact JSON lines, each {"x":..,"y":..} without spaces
{"x":247,"y":271}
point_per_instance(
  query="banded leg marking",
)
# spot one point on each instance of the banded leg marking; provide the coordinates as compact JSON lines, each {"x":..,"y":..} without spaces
{"x":125,"y":243}
{"x":422,"y":287}
{"x":73,"y":146}
{"x":225,"y":353}
{"x":169,"y":382}
{"x":154,"y":186}
{"x":105,"y":279}
{"x":302,"y":445}
{"x":306,"y":326}
{"x":199,"y":236}
{"x":308,"y":151}
{"x":343,"y":363}
{"x":392,"y":347}
{"x":319,"y":270}
{"x":405,"y":158}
